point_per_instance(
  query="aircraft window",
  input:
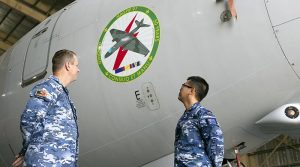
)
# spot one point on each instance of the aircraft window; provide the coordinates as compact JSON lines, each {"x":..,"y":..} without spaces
{"x":40,"y":32}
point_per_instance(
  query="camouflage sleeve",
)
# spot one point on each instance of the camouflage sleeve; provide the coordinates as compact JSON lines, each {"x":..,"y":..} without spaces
{"x":33,"y":116}
{"x":213,"y":139}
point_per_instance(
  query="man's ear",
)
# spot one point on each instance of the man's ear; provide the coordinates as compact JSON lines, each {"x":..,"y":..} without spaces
{"x":67,"y":66}
{"x":193,"y":90}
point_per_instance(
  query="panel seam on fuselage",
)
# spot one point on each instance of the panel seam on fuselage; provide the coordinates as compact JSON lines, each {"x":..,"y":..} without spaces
{"x":279,"y":42}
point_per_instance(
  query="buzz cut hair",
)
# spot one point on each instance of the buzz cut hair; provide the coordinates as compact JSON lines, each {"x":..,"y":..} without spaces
{"x":200,"y":85}
{"x":60,"y":58}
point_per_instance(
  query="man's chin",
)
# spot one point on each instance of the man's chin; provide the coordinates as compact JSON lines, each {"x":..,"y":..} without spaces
{"x":73,"y":80}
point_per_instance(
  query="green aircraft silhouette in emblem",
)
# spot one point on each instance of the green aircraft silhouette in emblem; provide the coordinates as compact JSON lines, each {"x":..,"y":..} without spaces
{"x":127,"y":40}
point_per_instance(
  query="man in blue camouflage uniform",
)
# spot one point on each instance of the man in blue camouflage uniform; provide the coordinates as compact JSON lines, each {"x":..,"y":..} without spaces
{"x":198,"y":137}
{"x":49,"y":122}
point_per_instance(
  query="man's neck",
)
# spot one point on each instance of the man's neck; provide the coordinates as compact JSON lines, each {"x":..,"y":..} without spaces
{"x":188,"y":104}
{"x":62,"y":79}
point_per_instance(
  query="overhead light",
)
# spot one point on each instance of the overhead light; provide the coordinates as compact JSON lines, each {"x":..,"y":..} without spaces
{"x":292,"y":112}
{"x":3,"y":95}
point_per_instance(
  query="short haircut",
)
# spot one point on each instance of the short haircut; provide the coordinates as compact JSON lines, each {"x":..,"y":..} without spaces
{"x":200,"y":85}
{"x":60,"y":58}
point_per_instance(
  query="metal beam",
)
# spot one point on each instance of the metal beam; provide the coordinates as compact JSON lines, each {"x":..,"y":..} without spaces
{"x":25,"y":10}
{"x":7,"y":13}
{"x":4,"y":46}
{"x":36,"y":2}
{"x":52,"y":7}
{"x":274,"y":150}
{"x":16,"y":26}
{"x":10,"y":40}
{"x":37,"y":5}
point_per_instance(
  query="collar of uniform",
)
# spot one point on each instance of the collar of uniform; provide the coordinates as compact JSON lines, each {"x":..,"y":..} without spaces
{"x":194,"y":106}
{"x":53,"y":77}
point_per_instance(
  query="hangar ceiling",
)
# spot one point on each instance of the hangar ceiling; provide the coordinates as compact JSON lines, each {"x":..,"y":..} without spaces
{"x":17,"y":17}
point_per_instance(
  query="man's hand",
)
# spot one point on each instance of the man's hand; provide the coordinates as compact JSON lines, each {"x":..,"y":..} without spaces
{"x":19,"y":160}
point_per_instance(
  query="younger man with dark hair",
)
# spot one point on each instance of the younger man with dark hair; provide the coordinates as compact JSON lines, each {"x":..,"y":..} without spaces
{"x":199,"y":140}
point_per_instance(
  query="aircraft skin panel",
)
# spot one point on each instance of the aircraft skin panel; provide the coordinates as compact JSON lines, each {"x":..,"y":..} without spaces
{"x":248,"y":75}
{"x":167,"y":160}
{"x":290,"y":48}
{"x":278,"y":11}
{"x":286,"y":22}
{"x":141,"y":144}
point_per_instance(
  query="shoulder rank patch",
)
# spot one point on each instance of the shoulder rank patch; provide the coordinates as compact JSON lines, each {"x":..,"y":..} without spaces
{"x":41,"y":93}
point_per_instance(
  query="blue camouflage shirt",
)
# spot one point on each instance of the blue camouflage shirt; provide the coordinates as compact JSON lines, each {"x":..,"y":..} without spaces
{"x":49,"y":126}
{"x":198,"y":139}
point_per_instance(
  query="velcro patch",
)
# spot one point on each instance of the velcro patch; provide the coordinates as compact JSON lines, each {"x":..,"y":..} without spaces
{"x":211,"y":121}
{"x":41,"y":93}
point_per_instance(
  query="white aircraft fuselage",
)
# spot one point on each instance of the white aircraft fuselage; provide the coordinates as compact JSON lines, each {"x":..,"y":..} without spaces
{"x":127,"y":103}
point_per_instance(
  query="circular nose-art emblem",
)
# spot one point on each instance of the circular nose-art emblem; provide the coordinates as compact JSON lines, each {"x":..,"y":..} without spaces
{"x":128,"y":44}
